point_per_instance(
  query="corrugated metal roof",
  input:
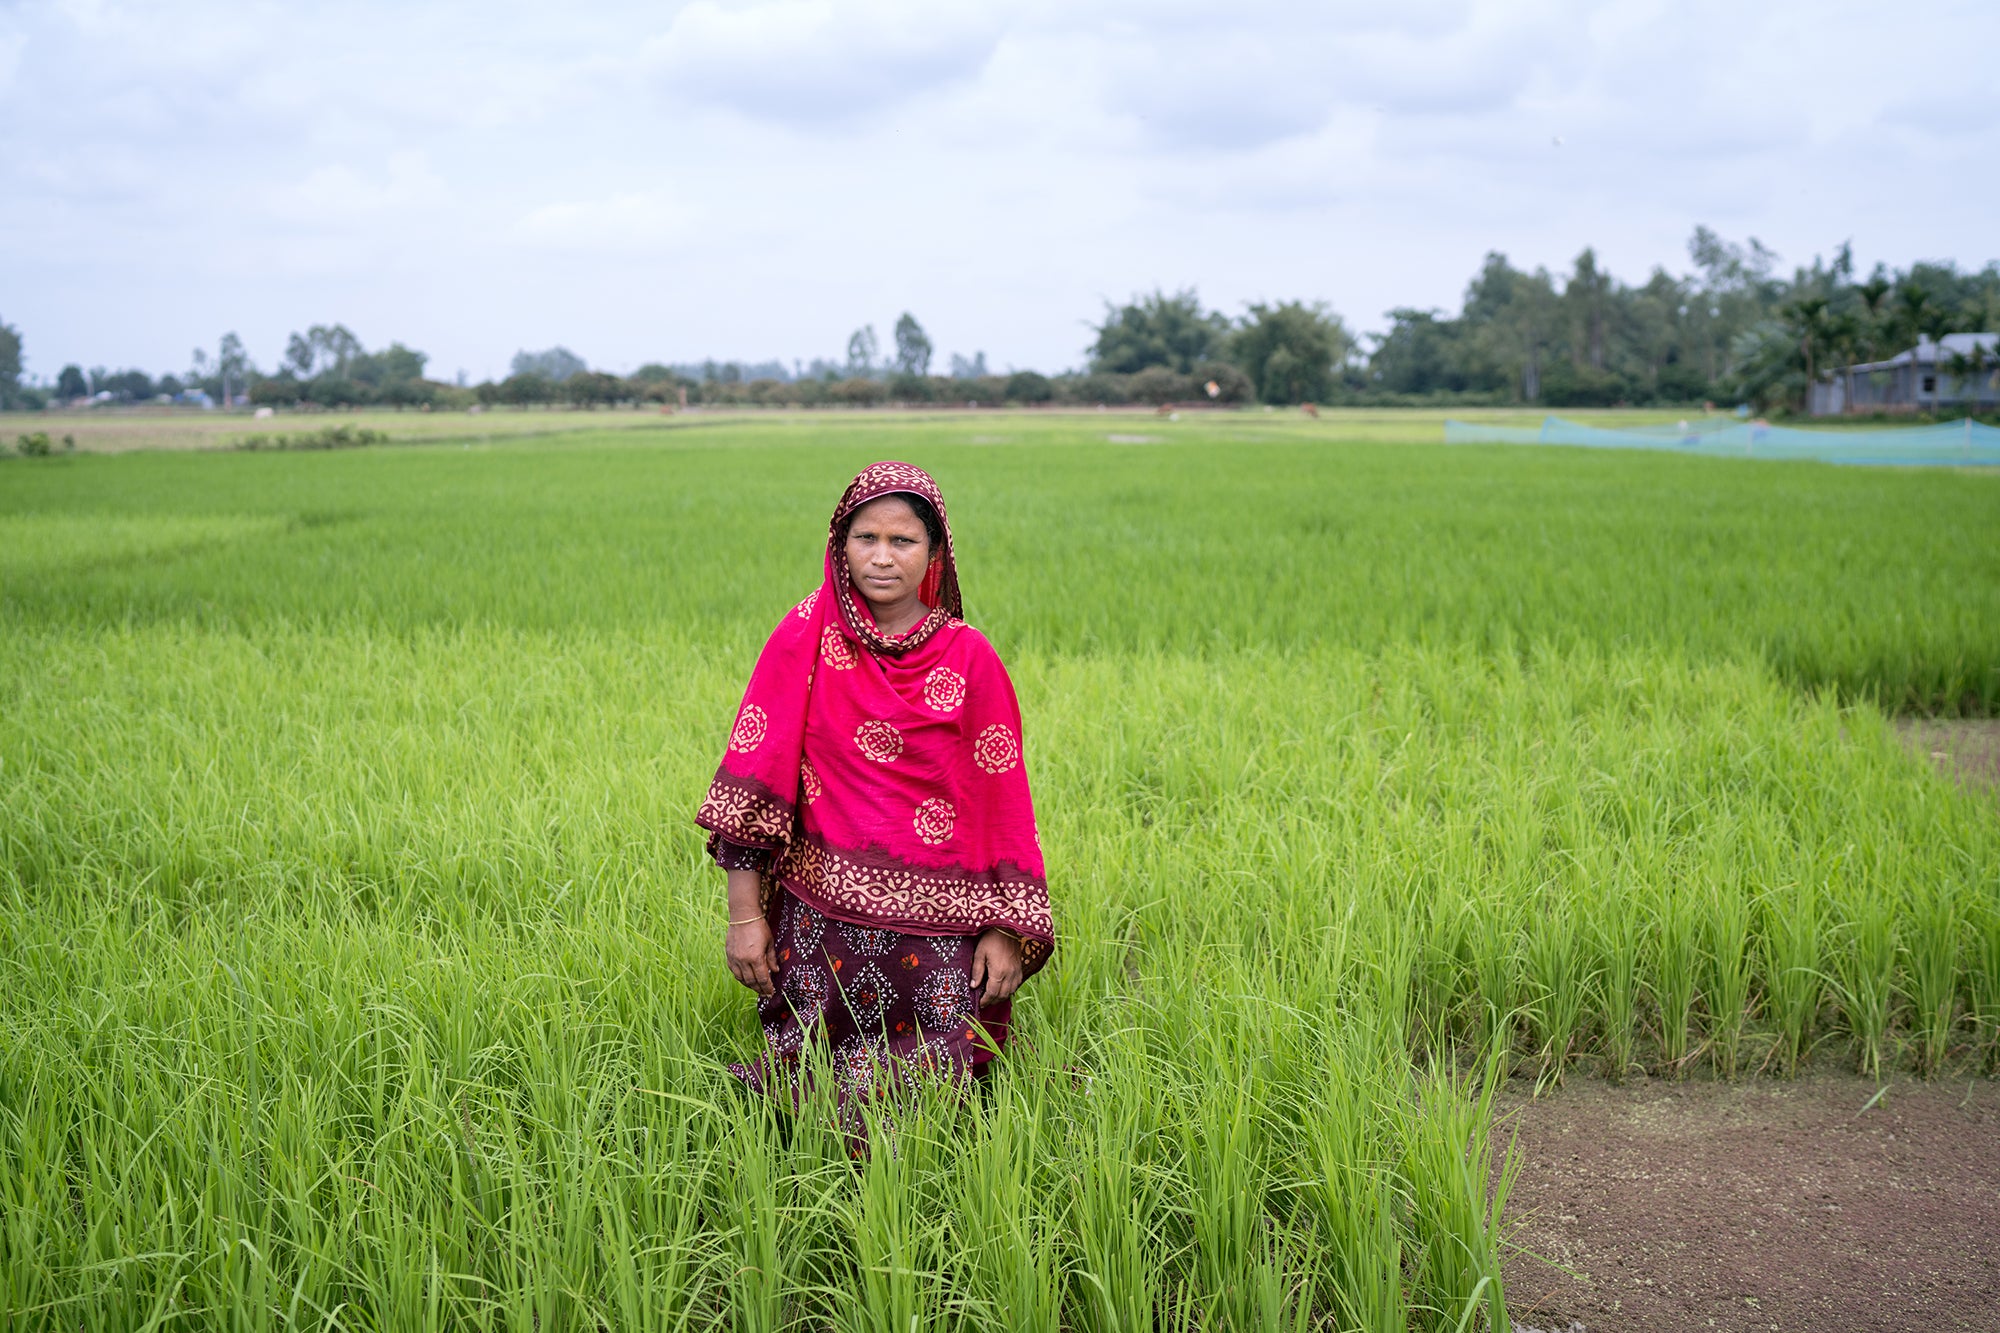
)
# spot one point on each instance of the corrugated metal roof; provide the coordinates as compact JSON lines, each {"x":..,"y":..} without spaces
{"x":1926,"y":353}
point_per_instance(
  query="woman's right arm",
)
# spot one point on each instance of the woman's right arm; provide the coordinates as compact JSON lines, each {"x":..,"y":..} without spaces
{"x":748,"y":947}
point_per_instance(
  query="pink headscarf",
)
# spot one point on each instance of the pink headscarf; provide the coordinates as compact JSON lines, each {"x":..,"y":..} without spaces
{"x":886,"y":774}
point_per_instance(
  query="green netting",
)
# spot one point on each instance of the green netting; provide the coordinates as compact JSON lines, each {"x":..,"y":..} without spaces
{"x":1945,"y":444}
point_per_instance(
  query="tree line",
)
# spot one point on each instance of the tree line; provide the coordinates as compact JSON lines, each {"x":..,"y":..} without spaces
{"x":1734,"y":329}
{"x":1731,"y":329}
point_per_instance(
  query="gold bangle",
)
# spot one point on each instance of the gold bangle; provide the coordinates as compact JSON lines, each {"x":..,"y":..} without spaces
{"x":748,"y":919}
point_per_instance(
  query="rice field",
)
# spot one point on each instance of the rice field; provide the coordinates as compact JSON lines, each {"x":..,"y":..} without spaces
{"x":362,"y":966}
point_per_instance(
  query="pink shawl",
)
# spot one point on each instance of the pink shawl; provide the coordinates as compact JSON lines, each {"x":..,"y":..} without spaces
{"x":886,"y":774}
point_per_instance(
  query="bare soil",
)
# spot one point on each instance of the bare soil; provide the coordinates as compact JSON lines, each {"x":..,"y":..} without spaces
{"x":1758,"y":1205}
{"x":1966,"y":749}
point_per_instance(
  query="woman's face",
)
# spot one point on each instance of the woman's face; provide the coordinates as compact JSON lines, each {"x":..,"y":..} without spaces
{"x":887,"y":553}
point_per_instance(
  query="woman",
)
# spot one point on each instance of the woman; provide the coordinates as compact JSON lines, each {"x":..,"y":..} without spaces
{"x":886,"y":889}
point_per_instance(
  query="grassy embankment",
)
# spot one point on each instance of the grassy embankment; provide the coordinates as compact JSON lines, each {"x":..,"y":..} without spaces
{"x":361,"y":960}
{"x":122,"y":430}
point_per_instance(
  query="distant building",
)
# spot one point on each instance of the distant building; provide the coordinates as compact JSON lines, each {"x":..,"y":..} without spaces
{"x":1914,"y":380}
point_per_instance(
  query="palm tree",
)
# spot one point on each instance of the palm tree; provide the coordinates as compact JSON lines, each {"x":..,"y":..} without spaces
{"x":1874,"y":295}
{"x":1912,"y":312}
{"x":1808,"y":322}
{"x":1843,"y":342}
{"x":1936,"y":324}
{"x":1918,"y":316}
{"x":1969,"y":368}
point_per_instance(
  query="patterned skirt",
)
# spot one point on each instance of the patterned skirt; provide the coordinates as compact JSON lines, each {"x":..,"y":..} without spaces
{"x":884,"y":1008}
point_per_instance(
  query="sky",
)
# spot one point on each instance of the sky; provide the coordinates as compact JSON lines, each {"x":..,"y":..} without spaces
{"x":755,"y":179}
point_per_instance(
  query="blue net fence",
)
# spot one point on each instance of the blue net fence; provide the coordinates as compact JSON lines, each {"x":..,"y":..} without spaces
{"x":1947,"y":444}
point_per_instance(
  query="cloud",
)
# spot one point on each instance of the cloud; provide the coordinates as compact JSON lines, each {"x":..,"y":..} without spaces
{"x":178,"y":167}
{"x":1179,"y":80}
{"x":806,"y":63}
{"x":13,"y":44}
{"x":1336,"y":161}
{"x":636,"y":222}
{"x":340,"y":194}
{"x":1951,"y":112}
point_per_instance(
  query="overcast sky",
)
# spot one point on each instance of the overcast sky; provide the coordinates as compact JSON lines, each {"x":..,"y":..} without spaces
{"x":757,"y":179}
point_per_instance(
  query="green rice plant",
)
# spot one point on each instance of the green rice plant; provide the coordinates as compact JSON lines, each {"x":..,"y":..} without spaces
{"x":1235,"y":1264}
{"x":1014,"y":1277}
{"x":1455,"y":1199}
{"x":1496,"y":946}
{"x":1790,"y":940}
{"x":1285,"y":1283}
{"x":897,"y":1242}
{"x":1118,"y":1269}
{"x":1351,"y":1191}
{"x":764,"y":1271}
{"x":1675,"y":959}
{"x":1930,"y":970}
{"x":1440,"y":984}
{"x":1559,"y":976}
{"x":1864,"y":971}
{"x":1616,"y":934}
{"x":657,"y":1262}
{"x":1727,"y":959}
{"x":1983,"y":980}
{"x":1387,"y":979}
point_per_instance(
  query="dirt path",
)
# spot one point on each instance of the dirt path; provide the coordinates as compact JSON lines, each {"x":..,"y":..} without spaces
{"x":1760,"y":1205}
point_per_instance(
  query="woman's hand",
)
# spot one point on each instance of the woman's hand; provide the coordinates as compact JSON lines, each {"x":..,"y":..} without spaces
{"x":996,"y":966}
{"x":752,"y":956}
{"x":748,"y":948}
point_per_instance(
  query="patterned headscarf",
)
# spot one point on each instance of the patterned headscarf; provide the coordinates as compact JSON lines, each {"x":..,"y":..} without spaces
{"x":939,"y":589}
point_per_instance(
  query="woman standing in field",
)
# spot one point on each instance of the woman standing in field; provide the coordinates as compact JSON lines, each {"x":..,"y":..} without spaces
{"x":886,"y":888}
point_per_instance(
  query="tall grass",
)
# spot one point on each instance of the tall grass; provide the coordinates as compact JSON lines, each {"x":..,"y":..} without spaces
{"x":358,"y":959}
